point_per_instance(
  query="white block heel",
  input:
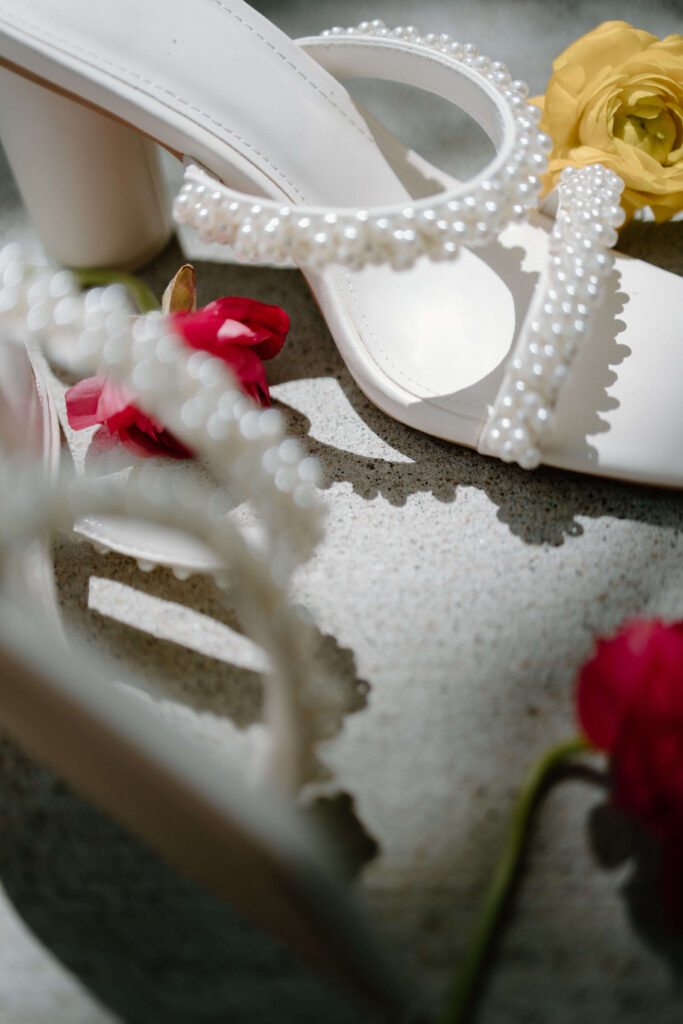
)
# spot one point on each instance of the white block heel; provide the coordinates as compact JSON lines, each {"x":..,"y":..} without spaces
{"x":93,"y":186}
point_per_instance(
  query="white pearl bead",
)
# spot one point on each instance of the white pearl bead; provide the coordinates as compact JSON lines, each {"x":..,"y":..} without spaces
{"x":191,"y":414}
{"x":115,"y":323}
{"x":455,"y":50}
{"x":604,"y":263}
{"x":500,"y":78}
{"x":9,"y":299}
{"x":13,"y":275}
{"x":114,"y":298}
{"x":304,"y":496}
{"x":168,"y":348}
{"x":290,"y":451}
{"x":142,"y":377}
{"x":182,"y":205}
{"x":250,"y":425}
{"x":271,"y":422}
{"x":114,"y":351}
{"x":61,"y":284}
{"x":142,"y":348}
{"x":90,"y":343}
{"x":38,"y":291}
{"x":229,"y":404}
{"x":483,"y":232}
{"x":11,"y":253}
{"x":530,"y":458}
{"x":194,"y":364}
{"x":270,"y":460}
{"x":309,"y":470}
{"x":286,"y":478}
{"x":217,"y":427}
{"x":38,"y":317}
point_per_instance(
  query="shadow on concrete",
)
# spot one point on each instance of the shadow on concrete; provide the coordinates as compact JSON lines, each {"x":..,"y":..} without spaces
{"x":150,"y":944}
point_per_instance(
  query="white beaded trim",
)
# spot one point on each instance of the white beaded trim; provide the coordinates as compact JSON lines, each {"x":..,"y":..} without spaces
{"x":265,"y":230}
{"x":197,"y":397}
{"x":193,"y":393}
{"x":589,"y":213}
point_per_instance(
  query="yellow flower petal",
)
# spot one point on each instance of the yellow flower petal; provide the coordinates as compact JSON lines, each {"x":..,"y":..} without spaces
{"x":610,"y":44}
{"x":616,"y":96}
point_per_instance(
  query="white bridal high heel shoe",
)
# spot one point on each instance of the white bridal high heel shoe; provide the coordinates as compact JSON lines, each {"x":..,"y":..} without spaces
{"x":518,"y":336}
{"x":248,"y":846}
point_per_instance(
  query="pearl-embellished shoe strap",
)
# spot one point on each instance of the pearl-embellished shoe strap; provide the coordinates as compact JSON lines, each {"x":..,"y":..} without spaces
{"x":558,"y":322}
{"x":470,"y":215}
{"x":195,"y":395}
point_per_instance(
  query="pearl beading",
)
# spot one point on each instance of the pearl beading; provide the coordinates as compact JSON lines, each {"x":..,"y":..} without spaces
{"x":196,"y":396}
{"x":265,"y":230}
{"x":522,"y":415}
{"x":193,"y":393}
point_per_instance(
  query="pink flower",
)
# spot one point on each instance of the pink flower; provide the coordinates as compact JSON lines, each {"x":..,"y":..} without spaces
{"x":240,"y":331}
{"x":630,"y":704}
{"x":103,"y":400}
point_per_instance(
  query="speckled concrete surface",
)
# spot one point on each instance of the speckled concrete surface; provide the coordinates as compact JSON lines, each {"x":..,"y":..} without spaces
{"x":456,"y":598}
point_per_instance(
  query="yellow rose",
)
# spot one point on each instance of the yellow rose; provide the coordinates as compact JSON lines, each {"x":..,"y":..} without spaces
{"x":616,"y":97}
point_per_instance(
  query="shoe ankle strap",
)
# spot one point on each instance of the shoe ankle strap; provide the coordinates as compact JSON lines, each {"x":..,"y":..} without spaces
{"x":472,"y":214}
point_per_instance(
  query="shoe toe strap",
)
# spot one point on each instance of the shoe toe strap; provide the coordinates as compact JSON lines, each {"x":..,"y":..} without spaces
{"x":521,"y":418}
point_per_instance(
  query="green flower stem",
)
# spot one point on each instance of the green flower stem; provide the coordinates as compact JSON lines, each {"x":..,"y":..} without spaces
{"x":140,"y":293}
{"x":508,"y":862}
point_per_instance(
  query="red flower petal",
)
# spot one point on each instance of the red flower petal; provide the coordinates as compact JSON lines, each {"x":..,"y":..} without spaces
{"x":608,"y":682}
{"x":147,"y":445}
{"x":100,"y":400}
{"x":103,"y":400}
{"x":648,"y":753}
{"x":117,"y":409}
{"x":82,"y":403}
{"x":249,"y":370}
{"x":236,"y":333}
{"x":240,"y":331}
{"x":268,"y":325}
{"x":630,"y":703}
